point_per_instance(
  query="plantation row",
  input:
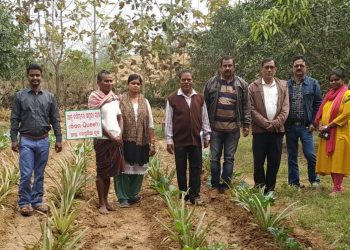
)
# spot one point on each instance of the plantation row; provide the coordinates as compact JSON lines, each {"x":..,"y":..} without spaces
{"x":59,"y":231}
{"x":191,"y":232}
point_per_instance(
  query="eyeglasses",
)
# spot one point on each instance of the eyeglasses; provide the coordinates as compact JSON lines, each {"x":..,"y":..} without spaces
{"x":299,"y":66}
{"x":269,"y":67}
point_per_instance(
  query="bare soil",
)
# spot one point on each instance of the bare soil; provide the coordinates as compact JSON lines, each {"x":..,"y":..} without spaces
{"x":136,"y":227}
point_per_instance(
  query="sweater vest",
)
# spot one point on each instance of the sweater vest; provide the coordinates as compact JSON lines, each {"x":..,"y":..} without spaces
{"x":187,"y":121}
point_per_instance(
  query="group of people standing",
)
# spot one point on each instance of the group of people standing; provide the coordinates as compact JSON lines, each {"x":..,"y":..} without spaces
{"x":122,"y":152}
{"x":295,"y":108}
{"x":127,"y":142}
{"x":229,"y":106}
{"x":272,"y":108}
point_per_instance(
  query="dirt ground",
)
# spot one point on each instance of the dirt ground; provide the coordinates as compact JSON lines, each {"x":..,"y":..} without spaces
{"x":135,"y":227}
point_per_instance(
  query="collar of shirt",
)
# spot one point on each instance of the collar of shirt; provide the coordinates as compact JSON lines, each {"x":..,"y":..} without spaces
{"x":301,"y":81}
{"x":270,"y":85}
{"x":180,"y":92}
{"x":31,"y":90}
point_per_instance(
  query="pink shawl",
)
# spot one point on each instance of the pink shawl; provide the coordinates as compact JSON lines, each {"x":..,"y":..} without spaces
{"x":335,"y":95}
{"x":97,"y":98}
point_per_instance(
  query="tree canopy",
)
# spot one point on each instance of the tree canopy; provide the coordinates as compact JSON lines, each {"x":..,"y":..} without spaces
{"x":13,"y":52}
{"x":256,"y":29}
{"x":160,"y":32}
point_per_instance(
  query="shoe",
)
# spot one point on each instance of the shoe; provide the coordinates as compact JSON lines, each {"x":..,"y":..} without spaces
{"x":269,"y":191}
{"x":315,"y":185}
{"x":124,"y":204}
{"x":221,"y":189}
{"x":213,"y":193}
{"x":26,"y":210}
{"x":137,"y":199}
{"x":297,"y":187}
{"x":197,"y":201}
{"x":41,"y":208}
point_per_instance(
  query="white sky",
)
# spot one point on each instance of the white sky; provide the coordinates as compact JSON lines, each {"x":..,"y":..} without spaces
{"x":111,"y":10}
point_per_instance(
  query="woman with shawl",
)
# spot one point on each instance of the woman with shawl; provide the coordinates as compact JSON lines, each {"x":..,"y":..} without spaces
{"x":107,"y":148}
{"x":332,"y":118}
{"x":138,"y":141}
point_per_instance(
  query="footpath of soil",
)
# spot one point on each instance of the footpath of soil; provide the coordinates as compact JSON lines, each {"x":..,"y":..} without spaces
{"x":136,"y":227}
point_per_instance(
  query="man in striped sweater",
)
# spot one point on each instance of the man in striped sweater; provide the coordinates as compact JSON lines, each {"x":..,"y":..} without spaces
{"x":227,"y":100}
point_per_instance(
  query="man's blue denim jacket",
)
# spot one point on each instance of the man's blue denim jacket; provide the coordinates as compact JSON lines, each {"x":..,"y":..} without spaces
{"x":311,"y":96}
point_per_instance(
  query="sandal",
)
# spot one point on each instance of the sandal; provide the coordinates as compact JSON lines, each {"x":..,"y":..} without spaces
{"x":26,"y":210}
{"x":124,"y":204}
{"x":137,"y":199}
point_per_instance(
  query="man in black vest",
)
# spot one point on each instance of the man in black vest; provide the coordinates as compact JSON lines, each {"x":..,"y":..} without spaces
{"x":185,"y":117}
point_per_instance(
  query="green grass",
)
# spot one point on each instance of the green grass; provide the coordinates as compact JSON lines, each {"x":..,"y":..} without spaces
{"x":159,"y":131}
{"x":321,"y":213}
{"x":5,"y":129}
{"x":4,"y":141}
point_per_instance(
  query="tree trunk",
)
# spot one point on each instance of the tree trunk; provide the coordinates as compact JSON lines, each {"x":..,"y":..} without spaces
{"x":94,"y":45}
{"x":57,"y":82}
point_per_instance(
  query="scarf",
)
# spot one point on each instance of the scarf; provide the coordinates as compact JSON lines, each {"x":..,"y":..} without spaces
{"x":97,"y":98}
{"x":135,"y":130}
{"x":335,"y":95}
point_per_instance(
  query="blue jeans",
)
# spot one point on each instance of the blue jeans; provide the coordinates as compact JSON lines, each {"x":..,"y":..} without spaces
{"x":293,"y":133}
{"x":33,"y":156}
{"x":218,"y":141}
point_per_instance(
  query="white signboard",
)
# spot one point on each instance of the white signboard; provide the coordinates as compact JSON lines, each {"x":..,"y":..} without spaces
{"x":83,"y":124}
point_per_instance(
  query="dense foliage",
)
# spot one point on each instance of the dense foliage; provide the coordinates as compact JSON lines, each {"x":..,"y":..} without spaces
{"x":13,"y":51}
{"x":256,"y":29}
{"x":161,"y":33}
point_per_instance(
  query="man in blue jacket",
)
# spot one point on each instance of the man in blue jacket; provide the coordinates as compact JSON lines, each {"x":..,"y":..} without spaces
{"x":304,"y":99}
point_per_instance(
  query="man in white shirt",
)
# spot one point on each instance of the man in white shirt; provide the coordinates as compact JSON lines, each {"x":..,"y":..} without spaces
{"x":269,"y":110}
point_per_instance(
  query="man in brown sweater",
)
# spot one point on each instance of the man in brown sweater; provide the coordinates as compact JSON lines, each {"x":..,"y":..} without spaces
{"x":185,"y":117}
{"x":269,"y":109}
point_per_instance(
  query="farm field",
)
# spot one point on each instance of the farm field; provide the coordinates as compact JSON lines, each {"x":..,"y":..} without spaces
{"x":72,"y":41}
{"x":137,"y":228}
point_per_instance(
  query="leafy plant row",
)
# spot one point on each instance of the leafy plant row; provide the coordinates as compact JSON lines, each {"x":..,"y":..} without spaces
{"x":259,"y":204}
{"x":189,"y":232}
{"x":60,"y":230}
{"x":9,"y":175}
{"x":4,"y":140}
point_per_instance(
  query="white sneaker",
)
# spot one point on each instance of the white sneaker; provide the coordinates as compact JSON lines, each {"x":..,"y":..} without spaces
{"x":315,"y":185}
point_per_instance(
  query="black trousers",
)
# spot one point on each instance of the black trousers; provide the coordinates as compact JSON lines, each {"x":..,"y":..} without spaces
{"x":267,"y":146}
{"x":194,"y":156}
